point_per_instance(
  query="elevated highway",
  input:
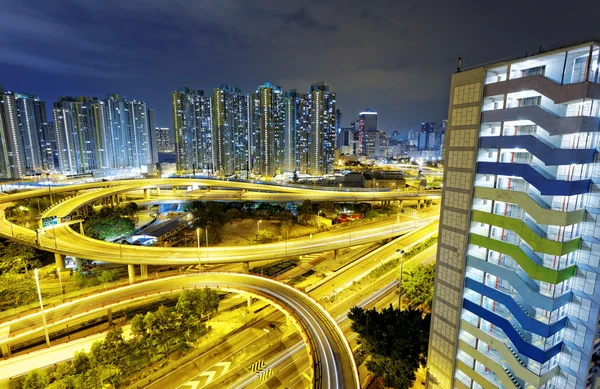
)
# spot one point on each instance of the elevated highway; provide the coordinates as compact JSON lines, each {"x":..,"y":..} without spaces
{"x":330,"y":355}
{"x":63,"y":240}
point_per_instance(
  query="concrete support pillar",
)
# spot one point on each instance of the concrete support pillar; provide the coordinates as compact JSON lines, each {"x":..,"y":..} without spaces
{"x":5,"y":350}
{"x":144,"y":271}
{"x":146,"y":194}
{"x":78,"y":264}
{"x":249,"y":301}
{"x":400,"y":204}
{"x":208,"y":188}
{"x":59,"y":259}
{"x":131,"y":271}
{"x":336,"y":254}
{"x":245,"y":267}
{"x":174,"y":191}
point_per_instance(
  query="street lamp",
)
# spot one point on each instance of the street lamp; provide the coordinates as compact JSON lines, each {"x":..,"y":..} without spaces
{"x":206,"y":231}
{"x":37,"y":284}
{"x":62,"y":296}
{"x":401,"y":266}
{"x":198,"y":239}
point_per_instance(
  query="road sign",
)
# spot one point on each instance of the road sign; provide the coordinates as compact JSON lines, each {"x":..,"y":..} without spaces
{"x":48,"y":221}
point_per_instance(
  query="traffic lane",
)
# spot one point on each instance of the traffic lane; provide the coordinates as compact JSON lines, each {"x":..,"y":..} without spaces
{"x":71,"y":242}
{"x":220,"y":355}
{"x":373,"y":262}
{"x":330,"y":346}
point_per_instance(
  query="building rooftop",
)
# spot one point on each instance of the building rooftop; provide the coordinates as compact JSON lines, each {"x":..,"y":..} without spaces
{"x":541,"y":52}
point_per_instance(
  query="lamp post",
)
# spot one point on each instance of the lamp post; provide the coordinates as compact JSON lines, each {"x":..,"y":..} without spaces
{"x":198,"y":239}
{"x":401,"y":267}
{"x":62,"y":296}
{"x":206,"y":231}
{"x":37,"y":284}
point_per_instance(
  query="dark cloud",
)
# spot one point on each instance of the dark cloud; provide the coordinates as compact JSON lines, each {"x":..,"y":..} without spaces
{"x":393,"y":56}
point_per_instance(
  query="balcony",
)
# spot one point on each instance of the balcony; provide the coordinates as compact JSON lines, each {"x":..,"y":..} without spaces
{"x":547,"y":153}
{"x":545,"y":86}
{"x":553,"y":124}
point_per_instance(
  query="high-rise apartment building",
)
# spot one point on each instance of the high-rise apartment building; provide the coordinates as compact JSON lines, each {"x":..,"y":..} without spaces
{"x":367,"y":121}
{"x":229,"y":122}
{"x":192,"y":130}
{"x":322,"y":129}
{"x":271,"y":130}
{"x":115,"y":133}
{"x":80,"y":139}
{"x":375,"y":144}
{"x":163,"y":139}
{"x":517,"y":288}
{"x":295,"y":135}
{"x":25,"y":139}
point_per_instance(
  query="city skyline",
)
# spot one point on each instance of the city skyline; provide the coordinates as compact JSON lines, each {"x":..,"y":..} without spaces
{"x":243,"y":44}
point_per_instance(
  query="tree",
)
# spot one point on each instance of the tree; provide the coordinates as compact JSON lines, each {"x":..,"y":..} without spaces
{"x":264,"y":236}
{"x":110,"y":275}
{"x":396,"y":341}
{"x":207,"y":214}
{"x":107,"y":224}
{"x":16,"y":289}
{"x":192,"y":305}
{"x":417,"y":282}
{"x":197,"y":303}
{"x":306,"y":208}
{"x":371,"y":214}
{"x":16,"y":257}
{"x":232,"y":214}
{"x":128,"y":209}
{"x":162,"y":328}
{"x":35,"y":379}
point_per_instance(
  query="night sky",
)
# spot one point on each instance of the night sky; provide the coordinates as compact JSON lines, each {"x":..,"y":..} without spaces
{"x":395,"y":57}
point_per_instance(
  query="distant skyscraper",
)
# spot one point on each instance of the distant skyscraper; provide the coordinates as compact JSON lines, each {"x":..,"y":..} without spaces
{"x":367,"y":121}
{"x":254,"y":114}
{"x":163,"y":138}
{"x":295,"y":136}
{"x":25,"y":139}
{"x":33,"y":124}
{"x":229,"y":121}
{"x":375,"y":143}
{"x":271,"y":129}
{"x":426,"y":136}
{"x":79,"y":139}
{"x":321,"y":138}
{"x":115,"y":133}
{"x":11,"y":148}
{"x":338,"y":125}
{"x":192,"y":130}
{"x":153,"y":139}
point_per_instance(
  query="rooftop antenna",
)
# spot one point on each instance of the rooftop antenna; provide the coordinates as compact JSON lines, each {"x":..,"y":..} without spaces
{"x":459,"y":65}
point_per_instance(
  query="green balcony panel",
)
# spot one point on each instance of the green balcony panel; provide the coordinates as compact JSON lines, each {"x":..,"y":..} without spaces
{"x":472,"y":374}
{"x":539,"y":213}
{"x":487,"y":362}
{"x":535,"y":271}
{"x":537,"y":243}
{"x":521,"y":371}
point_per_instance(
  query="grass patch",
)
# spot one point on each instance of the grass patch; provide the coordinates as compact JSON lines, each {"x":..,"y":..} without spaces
{"x":386,"y":267}
{"x":300,"y":278}
{"x":272,"y":269}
